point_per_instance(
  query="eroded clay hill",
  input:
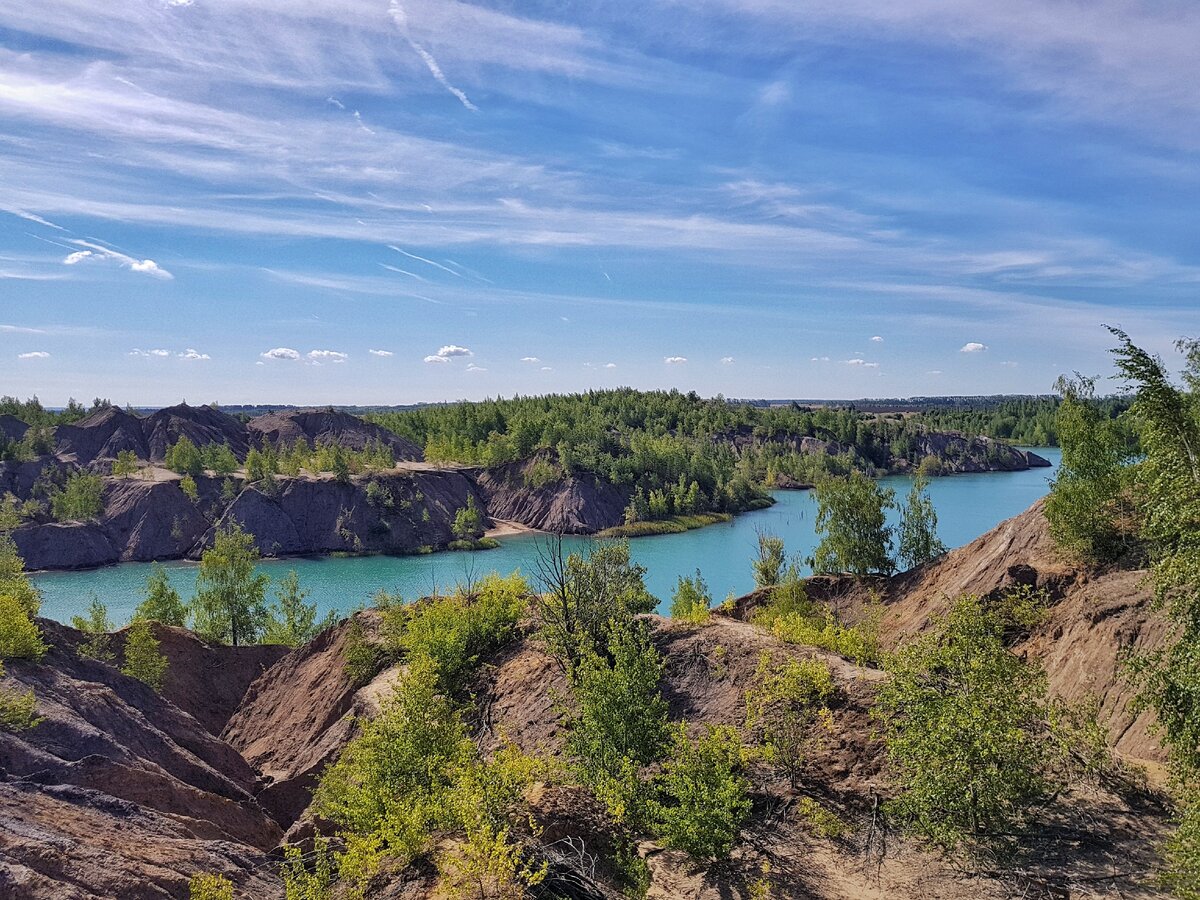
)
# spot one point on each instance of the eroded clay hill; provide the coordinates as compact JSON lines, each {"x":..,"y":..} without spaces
{"x":320,"y":426}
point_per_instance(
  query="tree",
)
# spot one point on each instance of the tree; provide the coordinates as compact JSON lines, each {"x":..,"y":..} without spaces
{"x":290,"y":620}
{"x":185,"y":458}
{"x":619,"y":723}
{"x":230,"y":603}
{"x":80,"y":499}
{"x":20,"y":637}
{"x":692,"y":600}
{"x":162,"y":602}
{"x":1090,"y":509}
{"x":852,"y":516}
{"x":98,"y":627}
{"x":14,"y":582}
{"x":143,"y":660}
{"x":584,"y":598}
{"x":125,"y":464}
{"x":187,"y":484}
{"x":768,"y":565}
{"x":783,"y":705}
{"x":963,"y":727}
{"x":219,"y":459}
{"x":919,"y":541}
{"x":703,"y":795}
{"x":468,"y":525}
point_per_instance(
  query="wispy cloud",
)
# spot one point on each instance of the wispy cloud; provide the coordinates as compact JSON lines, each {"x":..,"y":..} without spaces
{"x":862,"y":363}
{"x":451,"y":351}
{"x":675,"y":360}
{"x":396,"y":10}
{"x":193,"y":355}
{"x":98,"y":253}
{"x":436,"y":265}
{"x":727,"y":360}
{"x":530,"y":359}
{"x":331,"y":356}
{"x":972,"y":347}
{"x":150,"y":354}
{"x":34,"y":354}
{"x":384,"y":353}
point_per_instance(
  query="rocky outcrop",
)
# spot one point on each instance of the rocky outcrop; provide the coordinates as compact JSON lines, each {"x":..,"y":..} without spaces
{"x":18,"y":478}
{"x":64,"y":545}
{"x":148,"y":520}
{"x":959,"y":454}
{"x":566,"y":503}
{"x":202,"y":425}
{"x":101,"y":436}
{"x":327,"y":426}
{"x":11,"y":428}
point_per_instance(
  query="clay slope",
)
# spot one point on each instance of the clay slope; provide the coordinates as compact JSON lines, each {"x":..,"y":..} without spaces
{"x":202,"y":425}
{"x":568,"y":504}
{"x":321,"y":426}
{"x":101,"y":435}
{"x":118,"y":792}
{"x":1095,"y":616}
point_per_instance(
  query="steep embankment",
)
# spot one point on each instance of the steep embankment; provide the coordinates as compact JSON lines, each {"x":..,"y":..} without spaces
{"x":118,"y":792}
{"x":1094,"y":618}
{"x":149,"y":520}
{"x":327,"y":426}
{"x":538,"y":493}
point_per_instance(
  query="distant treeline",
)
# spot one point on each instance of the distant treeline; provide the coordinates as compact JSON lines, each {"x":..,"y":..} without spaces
{"x":1031,"y":421}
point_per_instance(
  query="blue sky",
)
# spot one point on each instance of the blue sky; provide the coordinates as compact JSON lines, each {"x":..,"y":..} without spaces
{"x":342,"y":201}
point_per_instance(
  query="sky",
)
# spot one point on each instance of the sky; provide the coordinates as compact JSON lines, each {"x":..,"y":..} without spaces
{"x":395,"y":201}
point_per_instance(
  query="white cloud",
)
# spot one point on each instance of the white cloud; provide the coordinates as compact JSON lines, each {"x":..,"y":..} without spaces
{"x":1009,"y":363}
{"x":859,"y":361}
{"x":437,"y":359}
{"x":610,"y":365}
{"x":452,"y":350}
{"x":547,"y":369}
{"x":727,"y":360}
{"x":35,"y":354}
{"x":150,"y":353}
{"x":877,"y":339}
{"x":191,"y":353}
{"x":18,"y":329}
{"x":401,"y":19}
{"x":281,"y":353}
{"x":530,"y":359}
{"x":972,"y":347}
{"x":381,"y":352}
{"x":675,"y":360}
{"x":93,"y":252}
{"x":934,"y":372}
{"x":334,"y":356}
{"x":474,"y":368}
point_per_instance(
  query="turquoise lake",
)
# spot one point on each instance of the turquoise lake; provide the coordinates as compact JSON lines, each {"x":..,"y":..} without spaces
{"x":967,"y":506}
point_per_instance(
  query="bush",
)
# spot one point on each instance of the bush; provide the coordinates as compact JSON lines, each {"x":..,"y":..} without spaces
{"x":312,"y":877}
{"x":768,"y":565}
{"x":962,"y":725}
{"x":162,"y":602}
{"x":361,"y":657}
{"x":80,"y":499}
{"x":468,"y":525}
{"x":185,"y":458}
{"x":97,"y":626}
{"x":207,"y":886}
{"x":187,"y":484}
{"x":125,"y":464}
{"x":702,"y":796}
{"x":16,"y":708}
{"x":142,"y":659}
{"x":620,"y":720}
{"x":14,"y":582}
{"x":783,"y":704}
{"x":692,"y":600}
{"x":856,"y":642}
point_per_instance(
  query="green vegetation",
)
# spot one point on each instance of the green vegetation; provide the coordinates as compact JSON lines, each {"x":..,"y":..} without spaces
{"x":919,"y":541}
{"x":290,"y":620}
{"x":468,"y":525}
{"x":208,"y":886}
{"x":582,"y":597}
{"x":670,"y":525}
{"x":851,"y":514}
{"x":187,"y":484}
{"x":39,"y":439}
{"x":230,"y":604}
{"x":143,"y":660}
{"x":20,"y":637}
{"x":1029,"y":421}
{"x":16,"y":708}
{"x":98,"y":628}
{"x":783,"y":705}
{"x":312,"y":877}
{"x":80,"y":499}
{"x":769,"y":564}
{"x":264,"y":463}
{"x":963,"y":722}
{"x":702,"y":794}
{"x":185,"y":458}
{"x":125,"y":464}
{"x":361,"y":657}
{"x":162,"y":602}
{"x":1090,"y":509}
{"x":692,"y":600}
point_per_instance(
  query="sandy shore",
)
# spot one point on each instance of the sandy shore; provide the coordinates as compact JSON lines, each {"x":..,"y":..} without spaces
{"x":505,"y":528}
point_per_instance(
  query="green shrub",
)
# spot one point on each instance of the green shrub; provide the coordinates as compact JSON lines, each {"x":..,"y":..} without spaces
{"x":619,"y":723}
{"x":854,"y":642}
{"x":187,"y":484}
{"x":20,"y":637}
{"x":125,"y":464}
{"x":852,"y":517}
{"x":143,"y":660}
{"x":784,"y":704}
{"x":963,"y":729}
{"x":692,"y":601}
{"x":16,"y":708}
{"x":309,"y":877}
{"x":14,"y":582}
{"x":823,"y":822}
{"x":768,"y":565}
{"x":80,"y":499}
{"x":98,"y":627}
{"x":207,"y":886}
{"x":702,"y":796}
{"x":468,"y":524}
{"x":162,"y":602}
{"x":185,"y":458}
{"x":360,"y":657}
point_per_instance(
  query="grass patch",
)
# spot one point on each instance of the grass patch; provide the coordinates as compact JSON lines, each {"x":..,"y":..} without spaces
{"x":485,"y":543}
{"x":673,"y":525}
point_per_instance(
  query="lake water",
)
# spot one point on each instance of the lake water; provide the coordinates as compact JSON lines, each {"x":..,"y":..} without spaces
{"x":967,"y":506}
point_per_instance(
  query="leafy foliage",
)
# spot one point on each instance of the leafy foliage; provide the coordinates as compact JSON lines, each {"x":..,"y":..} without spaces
{"x":290,"y":620}
{"x":80,"y":499}
{"x":919,"y":542}
{"x":162,"y":602}
{"x":98,"y":627}
{"x":185,"y":458}
{"x":468,"y":525}
{"x":692,"y":600}
{"x":702,"y":794}
{"x":230,"y":604}
{"x":851,"y":514}
{"x":963,"y":723}
{"x":783,"y":704}
{"x":309,"y":877}
{"x":208,"y":886}
{"x":125,"y":464}
{"x":769,"y":564}
{"x":16,"y":708}
{"x":143,"y":660}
